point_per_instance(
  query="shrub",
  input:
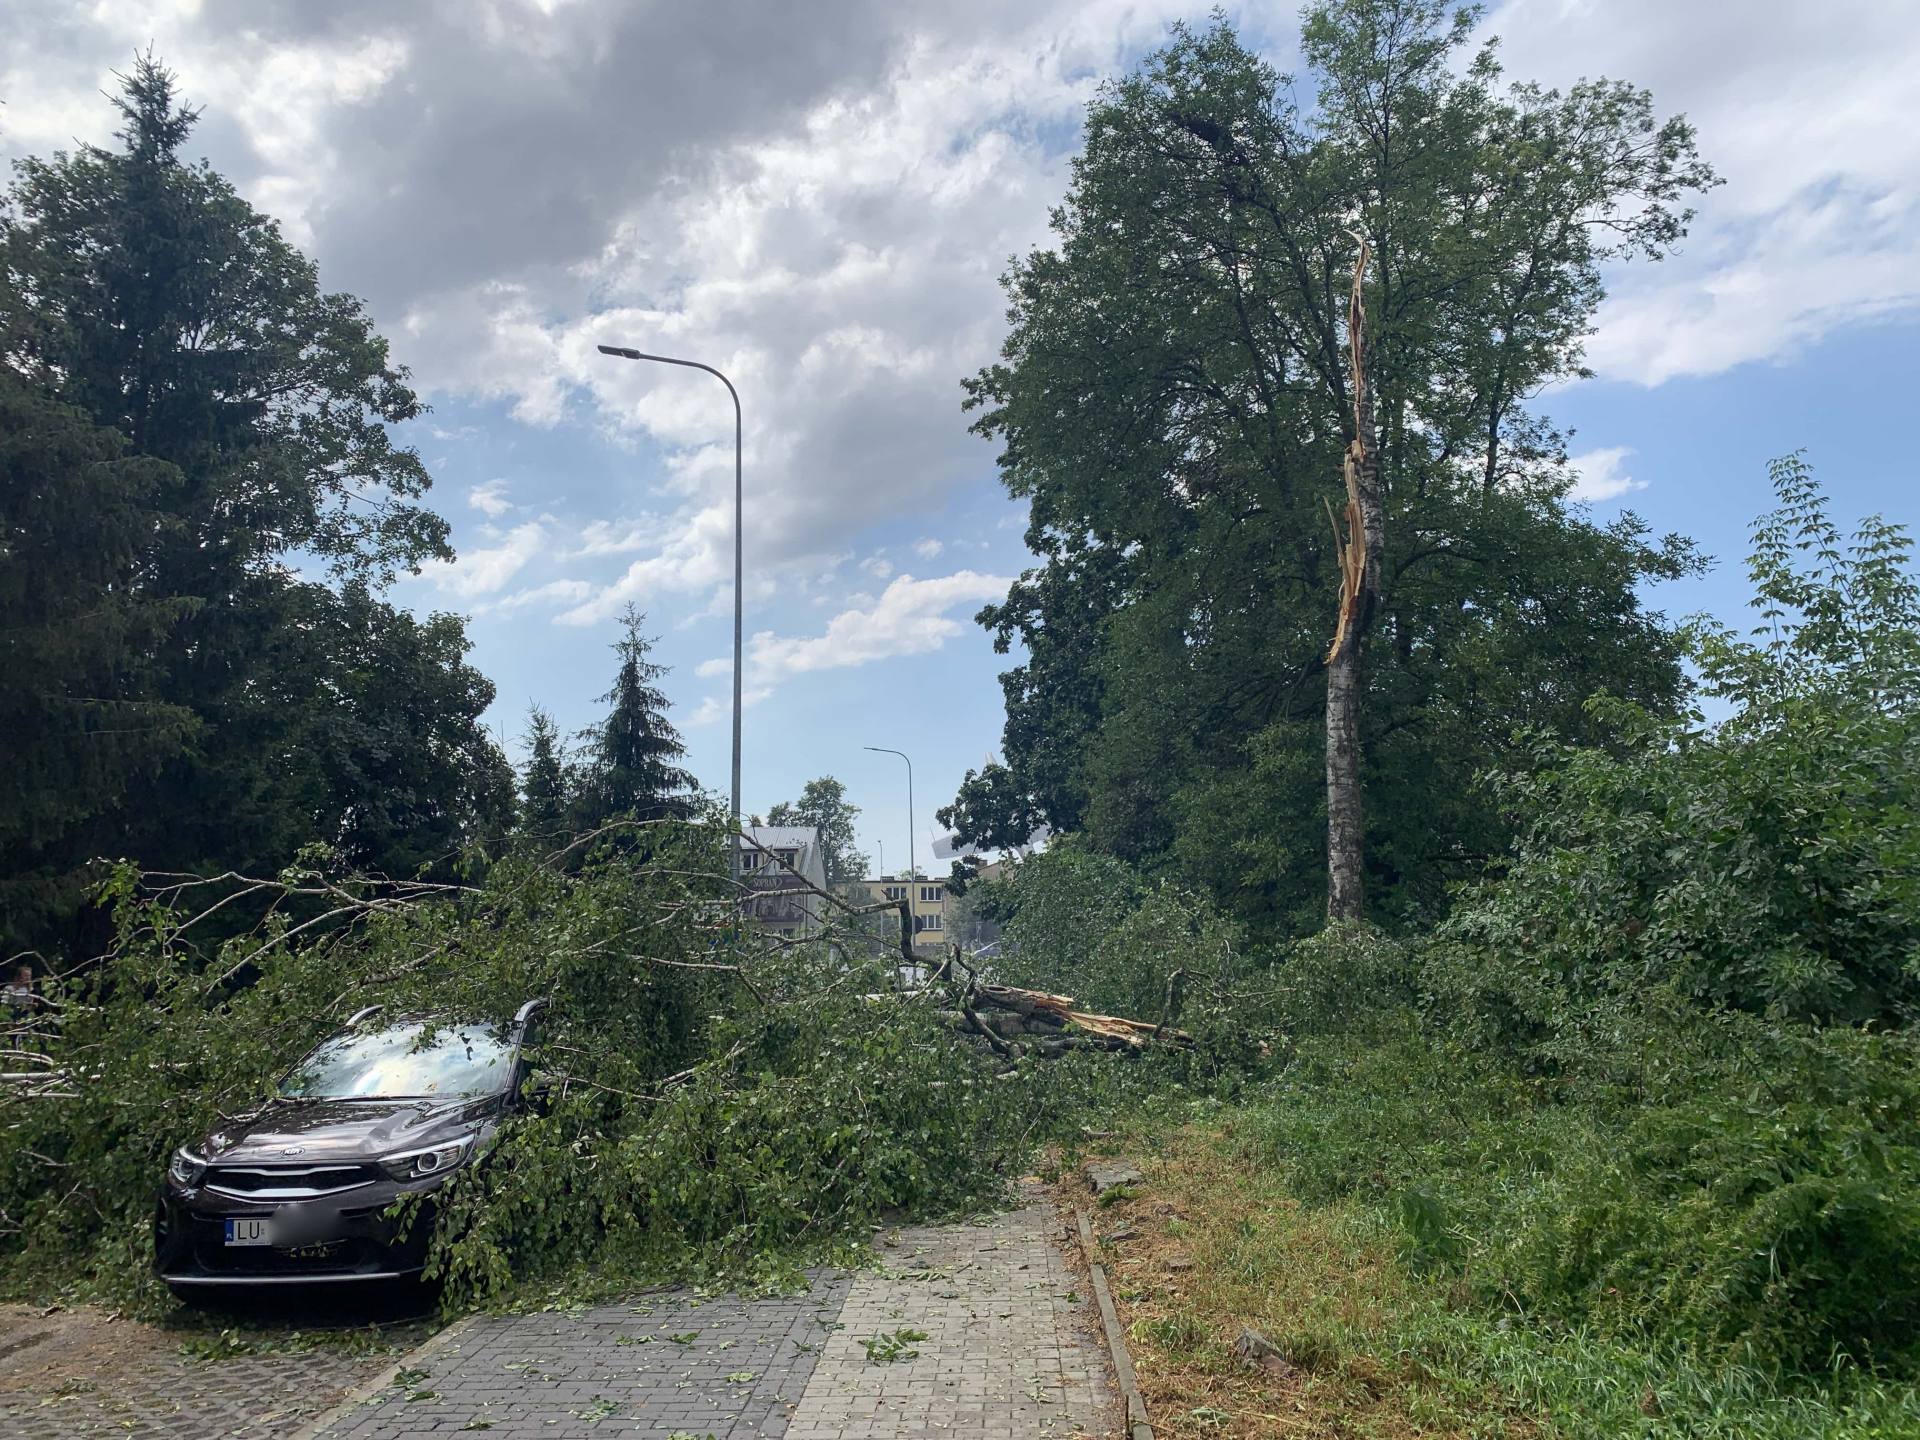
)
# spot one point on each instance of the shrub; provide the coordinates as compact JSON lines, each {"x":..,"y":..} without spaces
{"x":1770,"y":863}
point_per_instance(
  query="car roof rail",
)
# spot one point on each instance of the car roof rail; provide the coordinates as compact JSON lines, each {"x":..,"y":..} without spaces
{"x":359,"y":1015}
{"x":527,"y":1011}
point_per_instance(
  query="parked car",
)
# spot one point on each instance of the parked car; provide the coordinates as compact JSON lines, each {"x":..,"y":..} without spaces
{"x":298,"y":1189}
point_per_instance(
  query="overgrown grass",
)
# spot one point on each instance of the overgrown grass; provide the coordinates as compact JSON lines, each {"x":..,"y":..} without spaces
{"x":1378,"y":1346}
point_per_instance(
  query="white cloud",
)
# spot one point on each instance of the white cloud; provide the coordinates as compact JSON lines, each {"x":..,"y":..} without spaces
{"x":714,"y":708}
{"x":1601,"y":476}
{"x":609,"y":537}
{"x":482,"y":571}
{"x":843,"y":270}
{"x":878,"y":566}
{"x":490,"y":499}
{"x":928,"y":549}
{"x":554,"y":592}
{"x":1808,"y":113}
{"x":911,"y":617}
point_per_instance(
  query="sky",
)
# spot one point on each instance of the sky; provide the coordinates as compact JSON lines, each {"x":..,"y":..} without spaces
{"x":819,"y":200}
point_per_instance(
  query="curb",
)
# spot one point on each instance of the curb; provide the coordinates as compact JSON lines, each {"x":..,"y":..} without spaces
{"x":1138,"y":1426}
{"x":367,"y":1390}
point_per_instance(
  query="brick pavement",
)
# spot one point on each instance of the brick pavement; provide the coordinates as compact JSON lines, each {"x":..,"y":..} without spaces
{"x":1010,"y":1349}
{"x":659,"y":1366}
{"x":1009,"y":1352}
{"x":141,"y":1384}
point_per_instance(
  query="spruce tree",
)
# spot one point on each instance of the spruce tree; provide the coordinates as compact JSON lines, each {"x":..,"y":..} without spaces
{"x":633,"y":771}
{"x":543,"y":780}
{"x":188,"y":418}
{"x":79,"y":703}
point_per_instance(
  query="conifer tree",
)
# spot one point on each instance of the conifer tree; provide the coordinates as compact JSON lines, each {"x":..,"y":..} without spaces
{"x":633,"y":768}
{"x":78,"y":705}
{"x":186,"y":412}
{"x":543,"y":780}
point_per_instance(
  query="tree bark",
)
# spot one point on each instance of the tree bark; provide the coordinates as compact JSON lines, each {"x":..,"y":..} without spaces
{"x":1361,"y":561}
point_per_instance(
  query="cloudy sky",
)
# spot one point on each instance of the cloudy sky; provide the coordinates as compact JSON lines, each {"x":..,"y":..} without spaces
{"x":818,"y":199}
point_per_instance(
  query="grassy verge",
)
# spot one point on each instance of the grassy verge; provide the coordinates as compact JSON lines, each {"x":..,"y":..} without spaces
{"x":1212,"y":1244}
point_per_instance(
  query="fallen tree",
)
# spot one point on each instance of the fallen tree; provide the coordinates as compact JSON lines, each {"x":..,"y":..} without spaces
{"x":721,"y":1100}
{"x":1049,"y":1026}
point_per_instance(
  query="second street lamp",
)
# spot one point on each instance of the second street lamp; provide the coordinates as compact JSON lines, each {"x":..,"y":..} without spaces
{"x":883,"y":750}
{"x":624,"y":353}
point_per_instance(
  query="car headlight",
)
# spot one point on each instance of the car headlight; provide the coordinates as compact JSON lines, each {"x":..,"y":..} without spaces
{"x":419,"y":1164}
{"x":186,"y":1168}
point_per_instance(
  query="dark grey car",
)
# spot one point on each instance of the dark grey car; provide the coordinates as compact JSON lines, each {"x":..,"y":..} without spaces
{"x":298,"y":1189}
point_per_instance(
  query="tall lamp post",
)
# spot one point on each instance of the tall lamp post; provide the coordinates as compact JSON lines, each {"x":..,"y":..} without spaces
{"x":624,"y":353}
{"x":883,"y":750}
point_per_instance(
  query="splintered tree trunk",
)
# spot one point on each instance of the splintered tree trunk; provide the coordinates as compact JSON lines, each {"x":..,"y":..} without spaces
{"x":1360,"y":563}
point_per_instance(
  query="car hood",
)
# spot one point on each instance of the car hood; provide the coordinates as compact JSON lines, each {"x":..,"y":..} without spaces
{"x":301,"y":1131}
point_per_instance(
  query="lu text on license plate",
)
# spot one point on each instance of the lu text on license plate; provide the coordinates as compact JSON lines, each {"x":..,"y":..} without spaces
{"x":250,"y":1230}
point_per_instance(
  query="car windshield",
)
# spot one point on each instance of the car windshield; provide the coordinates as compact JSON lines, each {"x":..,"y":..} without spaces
{"x":457,"y":1060}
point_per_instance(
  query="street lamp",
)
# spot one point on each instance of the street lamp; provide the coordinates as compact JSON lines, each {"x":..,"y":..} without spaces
{"x":624,"y":353}
{"x":883,"y":750}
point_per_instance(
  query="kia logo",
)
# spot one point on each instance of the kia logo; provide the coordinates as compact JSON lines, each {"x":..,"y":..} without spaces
{"x":290,"y":1149}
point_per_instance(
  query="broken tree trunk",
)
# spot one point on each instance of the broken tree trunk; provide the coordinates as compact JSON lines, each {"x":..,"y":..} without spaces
{"x":1048,"y":1025}
{"x":1360,"y":563}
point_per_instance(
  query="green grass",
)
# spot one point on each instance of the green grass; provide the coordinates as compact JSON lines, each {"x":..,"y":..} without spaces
{"x":1384,"y":1340}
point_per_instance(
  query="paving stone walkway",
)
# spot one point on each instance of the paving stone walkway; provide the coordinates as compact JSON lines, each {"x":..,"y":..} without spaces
{"x":962,"y":1332}
{"x":77,"y":1374}
{"x":1010,"y":1348}
{"x":965,"y":1332}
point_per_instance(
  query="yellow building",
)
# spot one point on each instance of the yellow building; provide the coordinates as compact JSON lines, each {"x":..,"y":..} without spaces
{"x":927,"y":899}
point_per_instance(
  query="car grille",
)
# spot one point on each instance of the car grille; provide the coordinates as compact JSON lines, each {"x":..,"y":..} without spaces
{"x":288,"y":1182}
{"x":323,"y":1257}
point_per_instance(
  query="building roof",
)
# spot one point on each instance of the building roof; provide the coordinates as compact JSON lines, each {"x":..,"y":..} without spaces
{"x":777,"y":837}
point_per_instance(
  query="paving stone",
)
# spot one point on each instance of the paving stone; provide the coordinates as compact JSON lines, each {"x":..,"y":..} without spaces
{"x":167,"y":1394}
{"x":736,"y":1370}
{"x":1010,"y":1351}
{"x":1104,"y":1175}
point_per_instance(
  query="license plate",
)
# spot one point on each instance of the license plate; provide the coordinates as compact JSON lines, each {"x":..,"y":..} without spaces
{"x":251,"y":1230}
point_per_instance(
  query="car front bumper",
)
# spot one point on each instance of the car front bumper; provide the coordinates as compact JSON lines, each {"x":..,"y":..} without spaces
{"x":344,"y":1238}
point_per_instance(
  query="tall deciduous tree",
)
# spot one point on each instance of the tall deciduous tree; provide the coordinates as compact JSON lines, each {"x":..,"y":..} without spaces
{"x":633,"y":768}
{"x":823,"y":804}
{"x":1174,"y":404}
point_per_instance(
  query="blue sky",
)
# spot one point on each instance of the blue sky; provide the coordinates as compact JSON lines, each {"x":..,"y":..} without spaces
{"x":819,"y":200}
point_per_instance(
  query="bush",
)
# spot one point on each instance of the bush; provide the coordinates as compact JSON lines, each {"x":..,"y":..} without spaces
{"x":1088,"y":925}
{"x":1770,"y":863}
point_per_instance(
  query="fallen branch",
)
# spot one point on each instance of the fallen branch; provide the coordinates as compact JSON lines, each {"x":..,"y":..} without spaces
{"x":1047,"y":1024}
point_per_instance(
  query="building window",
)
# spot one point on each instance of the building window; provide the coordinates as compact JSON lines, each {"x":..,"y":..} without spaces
{"x":930,"y":894}
{"x":933,"y":921}
{"x":786,"y":856}
{"x":896,"y":892}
